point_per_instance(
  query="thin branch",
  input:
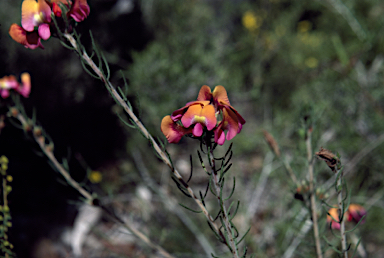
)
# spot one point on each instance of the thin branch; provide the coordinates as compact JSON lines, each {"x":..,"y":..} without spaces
{"x":312,"y":193}
{"x":340,"y":203}
{"x":227,"y":224}
{"x":141,"y":127}
{"x":171,"y":204}
{"x":88,"y":197}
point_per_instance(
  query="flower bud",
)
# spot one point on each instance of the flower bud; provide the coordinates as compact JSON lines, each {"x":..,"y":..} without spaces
{"x":13,"y":111}
{"x":37,"y":131}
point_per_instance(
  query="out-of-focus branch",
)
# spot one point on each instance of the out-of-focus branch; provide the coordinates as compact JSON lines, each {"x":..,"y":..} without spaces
{"x":48,"y":151}
{"x":312,"y":193}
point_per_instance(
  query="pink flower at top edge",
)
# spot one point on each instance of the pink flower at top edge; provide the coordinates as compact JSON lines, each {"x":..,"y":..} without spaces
{"x":36,"y":20}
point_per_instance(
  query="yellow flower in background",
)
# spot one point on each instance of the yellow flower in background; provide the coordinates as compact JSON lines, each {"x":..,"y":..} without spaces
{"x":95,"y":177}
{"x":9,"y":178}
{"x":304,"y":26}
{"x":251,"y":21}
{"x":311,"y":62}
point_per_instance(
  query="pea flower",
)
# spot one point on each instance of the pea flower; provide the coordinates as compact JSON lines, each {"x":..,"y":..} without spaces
{"x":36,"y":20}
{"x":8,"y":83}
{"x":355,"y":213}
{"x":197,"y":116}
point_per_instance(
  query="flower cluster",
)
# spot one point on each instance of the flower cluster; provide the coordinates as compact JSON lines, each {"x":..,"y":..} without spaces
{"x":36,"y":19}
{"x":211,"y":112}
{"x":354,"y":213}
{"x":8,"y":83}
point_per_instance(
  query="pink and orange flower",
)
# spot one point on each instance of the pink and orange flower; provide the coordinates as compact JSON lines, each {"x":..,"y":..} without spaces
{"x":204,"y":115}
{"x":36,"y":20}
{"x":9,"y":83}
{"x":355,"y":213}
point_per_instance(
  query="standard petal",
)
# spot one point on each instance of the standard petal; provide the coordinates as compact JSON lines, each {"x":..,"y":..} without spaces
{"x":208,"y":112}
{"x":204,"y":93}
{"x":177,"y":114}
{"x":220,"y":96}
{"x":189,"y":117}
{"x":172,"y":131}
{"x":44,"y":11}
{"x":28,"y":10}
{"x":44,"y":31}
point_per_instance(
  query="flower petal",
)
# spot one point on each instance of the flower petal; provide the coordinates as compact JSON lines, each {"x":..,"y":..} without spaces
{"x":34,"y":13}
{"x":25,"y":87}
{"x":28,"y":10}
{"x":44,"y":31}
{"x":356,"y":212}
{"x":197,"y":130}
{"x":208,"y":112}
{"x":177,"y":114}
{"x":4,"y":93}
{"x":230,"y":123}
{"x":28,"y":39}
{"x":220,"y":96}
{"x":219,"y":135}
{"x":204,"y":93}
{"x":189,"y":117}
{"x":334,"y":218}
{"x":172,"y":131}
{"x":80,"y":10}
{"x":8,"y":82}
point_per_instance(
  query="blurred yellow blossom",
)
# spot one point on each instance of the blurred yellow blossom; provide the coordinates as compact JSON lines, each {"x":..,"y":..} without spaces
{"x":311,"y":62}
{"x":304,"y":26}
{"x":251,"y":21}
{"x":9,"y":178}
{"x":95,"y":177}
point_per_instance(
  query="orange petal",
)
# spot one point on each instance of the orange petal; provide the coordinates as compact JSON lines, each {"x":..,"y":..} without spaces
{"x":172,"y":131}
{"x":204,"y":93}
{"x":177,"y":114}
{"x":18,"y":34}
{"x":28,"y":39}
{"x":209,"y":113}
{"x":334,"y":218}
{"x":190,"y":116}
{"x":220,"y":95}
